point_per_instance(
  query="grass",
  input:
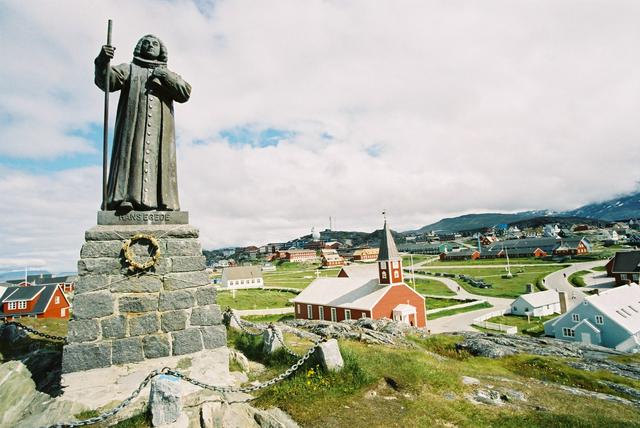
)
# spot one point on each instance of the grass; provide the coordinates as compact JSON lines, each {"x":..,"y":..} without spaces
{"x":268,"y":318}
{"x":430,"y":286}
{"x":449,"y":312}
{"x":53,"y":326}
{"x":577,"y":279}
{"x":417,"y":258}
{"x":533,"y":328}
{"x":599,"y":269}
{"x":255,"y":299}
{"x":434,"y":303}
{"x":296,"y":275}
{"x":490,"y":262}
{"x":423,"y":389}
{"x":502,"y":287}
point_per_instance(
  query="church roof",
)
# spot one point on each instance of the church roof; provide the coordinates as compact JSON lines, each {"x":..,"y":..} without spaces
{"x":388,"y":250}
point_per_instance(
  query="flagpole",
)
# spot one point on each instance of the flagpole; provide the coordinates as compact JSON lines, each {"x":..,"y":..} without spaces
{"x":105,"y":141}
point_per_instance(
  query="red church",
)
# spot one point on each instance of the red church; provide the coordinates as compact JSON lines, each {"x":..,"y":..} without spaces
{"x":379,"y":293}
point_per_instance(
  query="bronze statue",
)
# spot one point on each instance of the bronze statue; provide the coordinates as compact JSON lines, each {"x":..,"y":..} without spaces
{"x":142,"y":174}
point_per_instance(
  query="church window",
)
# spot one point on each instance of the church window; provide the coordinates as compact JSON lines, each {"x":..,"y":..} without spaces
{"x":383,"y":274}
{"x":396,"y":274}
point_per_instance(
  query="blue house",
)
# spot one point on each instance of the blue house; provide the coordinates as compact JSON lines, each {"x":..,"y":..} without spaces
{"x":610,"y":319}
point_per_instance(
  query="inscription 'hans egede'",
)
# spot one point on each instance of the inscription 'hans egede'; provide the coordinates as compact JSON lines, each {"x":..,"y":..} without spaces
{"x":161,"y":217}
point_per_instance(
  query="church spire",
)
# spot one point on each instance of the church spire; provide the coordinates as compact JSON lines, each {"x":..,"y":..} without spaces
{"x":389,"y":260}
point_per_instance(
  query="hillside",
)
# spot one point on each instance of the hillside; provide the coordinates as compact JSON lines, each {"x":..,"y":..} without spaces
{"x":478,"y":221}
{"x":620,"y":208}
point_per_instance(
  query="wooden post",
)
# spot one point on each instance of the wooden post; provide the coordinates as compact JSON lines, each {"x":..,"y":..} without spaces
{"x":105,"y":140}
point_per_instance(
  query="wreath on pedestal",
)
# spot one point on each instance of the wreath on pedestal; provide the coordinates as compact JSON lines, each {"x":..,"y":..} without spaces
{"x":130,"y":256}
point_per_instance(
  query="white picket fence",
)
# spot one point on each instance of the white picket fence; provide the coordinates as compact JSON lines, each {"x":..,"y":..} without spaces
{"x":481,"y":321}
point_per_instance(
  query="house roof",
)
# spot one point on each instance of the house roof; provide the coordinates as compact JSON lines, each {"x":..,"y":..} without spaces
{"x":343,"y":292}
{"x":45,"y":291}
{"x":621,"y":304}
{"x":388,"y":249}
{"x":541,"y":298}
{"x":17,"y":294}
{"x":242,"y":272}
{"x":366,"y":271}
{"x":626,"y":261}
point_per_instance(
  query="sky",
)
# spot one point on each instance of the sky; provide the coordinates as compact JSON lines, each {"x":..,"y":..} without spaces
{"x":302,"y":110}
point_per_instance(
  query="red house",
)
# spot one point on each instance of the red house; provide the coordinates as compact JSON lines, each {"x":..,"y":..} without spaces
{"x":37,"y":301}
{"x":365,"y":296}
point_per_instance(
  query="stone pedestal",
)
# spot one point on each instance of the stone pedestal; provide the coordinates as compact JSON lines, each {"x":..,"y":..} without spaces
{"x":123,"y":317}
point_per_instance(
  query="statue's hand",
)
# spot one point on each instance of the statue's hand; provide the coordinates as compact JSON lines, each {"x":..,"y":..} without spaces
{"x":160,"y":72}
{"x":107,"y":52}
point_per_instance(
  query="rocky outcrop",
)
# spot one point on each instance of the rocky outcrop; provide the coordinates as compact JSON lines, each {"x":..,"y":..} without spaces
{"x":218,"y":414}
{"x":21,"y":405}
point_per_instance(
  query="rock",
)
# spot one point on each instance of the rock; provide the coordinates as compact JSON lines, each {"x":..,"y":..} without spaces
{"x":485,"y":396}
{"x":174,"y":320}
{"x":239,"y":358}
{"x":11,"y":333}
{"x":114,"y":327}
{"x":93,"y":305}
{"x":143,"y":324}
{"x":274,"y":418}
{"x":467,"y":380}
{"x":211,"y":415}
{"x":127,"y":350}
{"x":513,"y":395}
{"x":22,"y":406}
{"x":214,"y":336}
{"x":500,"y":345}
{"x":271,"y":343}
{"x":172,"y":300}
{"x":186,"y":341}
{"x":85,"y":356}
{"x":165,"y":402}
{"x":156,"y":346}
{"x":141,"y":303}
{"x":330,"y":357}
{"x":83,"y":330}
{"x":206,"y":315}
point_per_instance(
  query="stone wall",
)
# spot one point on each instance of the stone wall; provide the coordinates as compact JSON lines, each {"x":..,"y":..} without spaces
{"x":120,"y":317}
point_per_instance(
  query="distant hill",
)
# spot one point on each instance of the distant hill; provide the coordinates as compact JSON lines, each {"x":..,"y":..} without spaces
{"x":559,"y":220}
{"x":19,"y":274}
{"x":478,"y":221}
{"x":620,"y":208}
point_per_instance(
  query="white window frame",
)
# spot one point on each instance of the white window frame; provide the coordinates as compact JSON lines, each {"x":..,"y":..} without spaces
{"x":363,"y":315}
{"x":568,"y":332}
{"x":57,"y":300}
{"x":623,"y":276}
{"x":396,"y":274}
{"x":347,"y":314}
{"x":383,"y":274}
{"x":22,"y":304}
{"x":321,"y":313}
{"x":12,"y":306}
{"x":575,"y":317}
{"x":334,"y":314}
{"x":299,"y":308}
{"x":63,"y":312}
{"x":599,"y":319}
{"x":310,"y":312}
{"x":383,"y":265}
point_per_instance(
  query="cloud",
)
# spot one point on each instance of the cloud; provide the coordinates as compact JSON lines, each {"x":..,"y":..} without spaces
{"x":302,"y":110}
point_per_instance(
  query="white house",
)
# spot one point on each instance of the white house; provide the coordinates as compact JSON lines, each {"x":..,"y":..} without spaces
{"x":537,"y":304}
{"x":242,"y":277}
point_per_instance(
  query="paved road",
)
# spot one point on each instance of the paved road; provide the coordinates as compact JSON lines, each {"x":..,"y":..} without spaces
{"x":463,"y":321}
{"x":558,"y":280}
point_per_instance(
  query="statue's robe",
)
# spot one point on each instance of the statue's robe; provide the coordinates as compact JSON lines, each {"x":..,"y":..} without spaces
{"x":143,"y":160}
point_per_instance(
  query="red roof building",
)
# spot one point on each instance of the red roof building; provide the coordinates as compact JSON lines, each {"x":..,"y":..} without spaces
{"x":37,"y":301}
{"x":366,"y":293}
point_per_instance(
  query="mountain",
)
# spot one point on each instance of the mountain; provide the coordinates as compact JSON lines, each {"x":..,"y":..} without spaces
{"x":479,"y":221}
{"x":620,"y":208}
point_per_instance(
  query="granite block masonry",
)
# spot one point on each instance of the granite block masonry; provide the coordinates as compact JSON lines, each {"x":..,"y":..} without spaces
{"x":122,"y":317}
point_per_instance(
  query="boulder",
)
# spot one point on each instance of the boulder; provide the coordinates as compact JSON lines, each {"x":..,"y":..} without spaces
{"x":165,"y":402}
{"x":329,"y":355}
{"x":11,"y":333}
{"x":271,"y":343}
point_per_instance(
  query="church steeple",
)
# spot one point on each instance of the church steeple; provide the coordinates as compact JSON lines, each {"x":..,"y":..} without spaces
{"x":389,"y":260}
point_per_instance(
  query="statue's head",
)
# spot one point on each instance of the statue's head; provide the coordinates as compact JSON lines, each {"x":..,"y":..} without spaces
{"x":151,"y":47}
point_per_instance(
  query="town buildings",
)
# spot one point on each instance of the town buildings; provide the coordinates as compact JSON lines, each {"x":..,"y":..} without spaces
{"x":298,"y":256}
{"x":624,"y":267}
{"x":538,"y":304}
{"x":35,"y":301}
{"x":359,"y":292}
{"x":611,"y":319}
{"x":242,"y":277}
{"x":331,"y":258}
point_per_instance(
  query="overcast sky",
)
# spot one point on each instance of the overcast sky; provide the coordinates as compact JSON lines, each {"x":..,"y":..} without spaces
{"x":302,"y":110}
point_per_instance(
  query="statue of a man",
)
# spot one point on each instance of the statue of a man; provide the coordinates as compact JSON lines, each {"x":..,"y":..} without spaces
{"x":142,"y":174}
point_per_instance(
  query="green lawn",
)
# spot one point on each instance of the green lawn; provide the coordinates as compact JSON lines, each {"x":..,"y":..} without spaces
{"x":254,"y":299}
{"x":449,"y":312}
{"x":577,"y":279}
{"x":268,"y":318}
{"x":502,"y":287}
{"x":429,"y":286}
{"x":489,"y":262}
{"x":533,"y":328}
{"x":296,"y":275}
{"x":433,"y":303}
{"x":417,"y":258}
{"x":599,"y":269}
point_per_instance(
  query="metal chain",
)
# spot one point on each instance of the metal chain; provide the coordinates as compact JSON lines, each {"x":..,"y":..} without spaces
{"x":104,"y":416}
{"x":35,"y":332}
{"x":240,"y":323}
{"x":277,"y":334}
{"x":168,"y":371}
